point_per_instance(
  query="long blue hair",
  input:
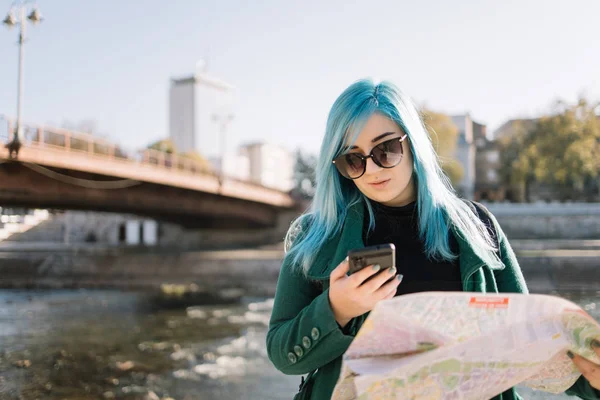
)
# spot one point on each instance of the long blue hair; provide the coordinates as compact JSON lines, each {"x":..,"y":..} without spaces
{"x":437,"y":203}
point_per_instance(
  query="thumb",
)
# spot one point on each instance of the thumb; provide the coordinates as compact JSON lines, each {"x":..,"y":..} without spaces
{"x":340,"y":271}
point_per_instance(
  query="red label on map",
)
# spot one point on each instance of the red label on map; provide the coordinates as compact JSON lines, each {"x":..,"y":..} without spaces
{"x":489,"y":302}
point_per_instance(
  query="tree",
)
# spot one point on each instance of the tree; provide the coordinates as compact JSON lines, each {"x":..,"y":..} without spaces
{"x":200,"y":163}
{"x":444,"y":136}
{"x":453,"y":169}
{"x":514,"y":175}
{"x":562,"y":150}
{"x":164,"y":145}
{"x":304,"y":174}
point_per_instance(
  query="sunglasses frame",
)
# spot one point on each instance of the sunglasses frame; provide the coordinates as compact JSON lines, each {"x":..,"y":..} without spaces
{"x":370,"y":155}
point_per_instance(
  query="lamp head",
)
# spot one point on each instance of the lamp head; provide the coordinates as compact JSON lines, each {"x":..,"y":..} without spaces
{"x":10,"y":20}
{"x":35,"y":16}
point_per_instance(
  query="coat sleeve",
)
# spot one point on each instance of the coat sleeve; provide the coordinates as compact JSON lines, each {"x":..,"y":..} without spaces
{"x":582,"y":389}
{"x":510,"y":279}
{"x":303,"y":333}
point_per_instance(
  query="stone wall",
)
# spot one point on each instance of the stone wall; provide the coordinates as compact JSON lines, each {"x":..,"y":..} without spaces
{"x":548,"y":220}
{"x":255,"y":272}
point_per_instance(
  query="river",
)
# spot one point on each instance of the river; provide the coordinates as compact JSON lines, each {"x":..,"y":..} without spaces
{"x":92,"y":344}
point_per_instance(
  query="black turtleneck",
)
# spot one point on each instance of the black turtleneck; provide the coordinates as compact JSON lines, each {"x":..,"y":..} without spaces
{"x":399,"y":225}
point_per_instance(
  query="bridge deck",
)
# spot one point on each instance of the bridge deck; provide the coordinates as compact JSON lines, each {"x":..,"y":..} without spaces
{"x":76,"y":151}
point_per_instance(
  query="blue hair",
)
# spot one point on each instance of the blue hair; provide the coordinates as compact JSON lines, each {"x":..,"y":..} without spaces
{"x":438,"y":206}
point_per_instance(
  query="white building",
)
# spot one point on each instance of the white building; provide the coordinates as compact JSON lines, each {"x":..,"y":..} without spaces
{"x":194,"y":101}
{"x":472,"y":136}
{"x":270,"y":165}
{"x":236,"y":166}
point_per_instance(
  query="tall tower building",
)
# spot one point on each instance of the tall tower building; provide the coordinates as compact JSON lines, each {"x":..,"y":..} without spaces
{"x":194,"y":101}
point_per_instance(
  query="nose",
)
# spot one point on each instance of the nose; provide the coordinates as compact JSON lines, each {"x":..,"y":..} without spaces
{"x":371,"y":166}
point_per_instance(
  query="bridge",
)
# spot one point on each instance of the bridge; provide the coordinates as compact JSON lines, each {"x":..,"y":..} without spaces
{"x":63,"y":169}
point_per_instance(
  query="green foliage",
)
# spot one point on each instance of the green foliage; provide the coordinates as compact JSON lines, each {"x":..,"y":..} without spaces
{"x":453,"y":169}
{"x":444,"y":136}
{"x":561,"y":150}
{"x":164,"y":145}
{"x":443,"y":132}
{"x":200,"y":163}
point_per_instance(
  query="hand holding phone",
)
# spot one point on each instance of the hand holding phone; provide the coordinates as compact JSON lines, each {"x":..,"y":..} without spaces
{"x":383,"y":255}
{"x":356,"y":294}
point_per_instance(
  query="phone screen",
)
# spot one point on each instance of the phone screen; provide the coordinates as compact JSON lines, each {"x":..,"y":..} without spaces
{"x":383,"y":254}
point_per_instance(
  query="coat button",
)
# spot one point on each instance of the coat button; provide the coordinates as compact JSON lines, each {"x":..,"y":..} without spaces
{"x":292,"y":357}
{"x":315,"y":333}
{"x":306,"y":342}
{"x":298,"y":350}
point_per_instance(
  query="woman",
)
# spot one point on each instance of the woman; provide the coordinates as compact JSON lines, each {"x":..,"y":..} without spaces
{"x":379,"y":181}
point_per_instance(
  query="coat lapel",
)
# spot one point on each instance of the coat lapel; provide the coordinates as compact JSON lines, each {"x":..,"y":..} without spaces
{"x":336,"y":249}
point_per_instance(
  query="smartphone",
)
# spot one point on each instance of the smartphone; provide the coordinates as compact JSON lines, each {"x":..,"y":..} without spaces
{"x":382,"y":254}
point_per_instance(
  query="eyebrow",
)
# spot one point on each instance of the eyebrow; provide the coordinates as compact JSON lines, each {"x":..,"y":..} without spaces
{"x":378,"y":138}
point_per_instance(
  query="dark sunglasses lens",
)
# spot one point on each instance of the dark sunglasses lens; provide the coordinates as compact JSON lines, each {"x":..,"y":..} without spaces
{"x":350,"y":165}
{"x":388,"y":154}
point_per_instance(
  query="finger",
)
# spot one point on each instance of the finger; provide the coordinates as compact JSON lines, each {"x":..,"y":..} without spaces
{"x":390,"y":295}
{"x":340,"y":271}
{"x":394,"y":290}
{"x":390,"y":287}
{"x":587,"y":368}
{"x":359,"y":277}
{"x":377,"y":281}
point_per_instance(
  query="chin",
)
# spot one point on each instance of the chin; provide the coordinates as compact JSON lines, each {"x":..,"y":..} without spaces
{"x":383,"y":197}
{"x":396,"y":190}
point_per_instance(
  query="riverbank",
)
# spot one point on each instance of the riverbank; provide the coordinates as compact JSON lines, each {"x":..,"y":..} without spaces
{"x":547,"y":265}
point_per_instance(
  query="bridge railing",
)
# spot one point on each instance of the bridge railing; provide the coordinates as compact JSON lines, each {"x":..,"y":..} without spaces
{"x":80,"y":142}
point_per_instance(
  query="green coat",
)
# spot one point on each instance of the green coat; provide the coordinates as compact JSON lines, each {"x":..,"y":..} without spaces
{"x":304,"y":336}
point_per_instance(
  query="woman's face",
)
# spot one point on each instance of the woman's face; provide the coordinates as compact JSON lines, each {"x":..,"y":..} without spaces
{"x":390,"y":186}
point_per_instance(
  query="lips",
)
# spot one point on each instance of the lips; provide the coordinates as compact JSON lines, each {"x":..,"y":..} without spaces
{"x":379,"y":183}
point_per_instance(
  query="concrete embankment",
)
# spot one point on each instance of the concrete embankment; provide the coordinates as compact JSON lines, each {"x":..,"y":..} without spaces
{"x":57,"y":266}
{"x":547,"y":265}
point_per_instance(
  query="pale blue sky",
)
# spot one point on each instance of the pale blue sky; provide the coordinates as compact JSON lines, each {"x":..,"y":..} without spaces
{"x":111,"y":61}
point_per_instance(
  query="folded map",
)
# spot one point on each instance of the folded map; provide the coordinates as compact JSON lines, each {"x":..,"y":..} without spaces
{"x":460,"y":345}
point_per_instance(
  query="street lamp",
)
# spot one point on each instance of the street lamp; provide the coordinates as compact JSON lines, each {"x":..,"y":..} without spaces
{"x":35,"y":17}
{"x":223,"y":120}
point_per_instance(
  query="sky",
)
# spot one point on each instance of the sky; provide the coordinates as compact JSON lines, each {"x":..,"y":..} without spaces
{"x":111,"y":61}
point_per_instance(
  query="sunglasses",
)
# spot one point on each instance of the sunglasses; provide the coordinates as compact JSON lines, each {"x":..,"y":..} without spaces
{"x":386,"y":154}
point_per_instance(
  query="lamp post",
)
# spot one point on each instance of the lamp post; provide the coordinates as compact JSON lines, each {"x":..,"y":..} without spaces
{"x":223,"y":120}
{"x":20,"y":9}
